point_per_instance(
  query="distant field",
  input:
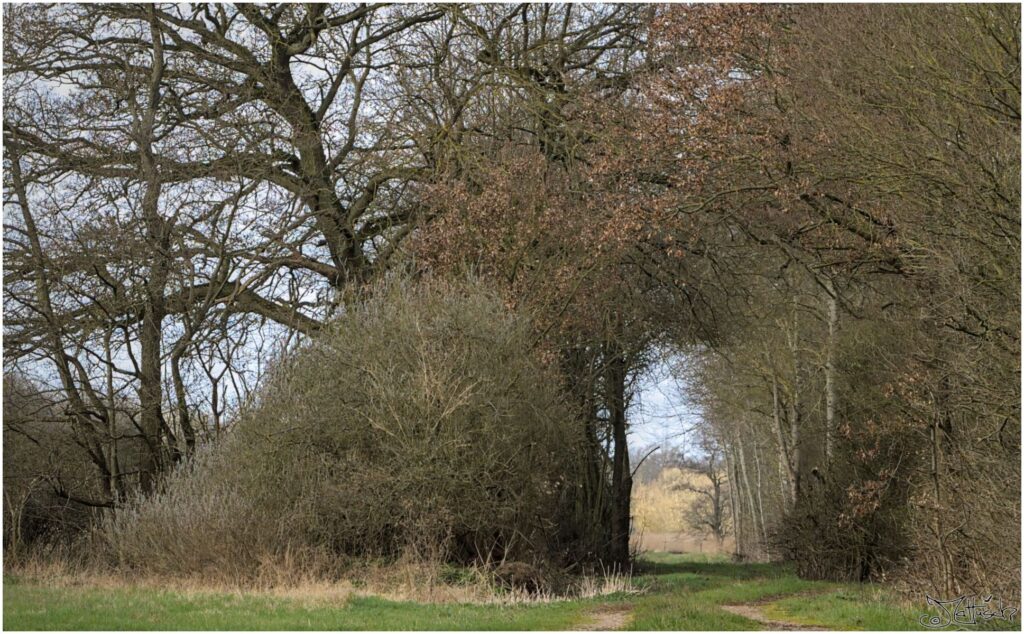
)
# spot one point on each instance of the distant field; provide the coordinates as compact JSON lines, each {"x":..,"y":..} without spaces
{"x":680,"y":543}
{"x":659,"y":515}
{"x":678,"y":593}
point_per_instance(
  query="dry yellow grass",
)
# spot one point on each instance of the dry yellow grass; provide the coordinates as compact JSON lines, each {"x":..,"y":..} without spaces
{"x":401,"y":581}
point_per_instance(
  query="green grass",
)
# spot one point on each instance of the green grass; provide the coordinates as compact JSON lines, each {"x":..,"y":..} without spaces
{"x":33,"y":607}
{"x":684,"y":594}
{"x":680,"y":593}
{"x":863,"y":607}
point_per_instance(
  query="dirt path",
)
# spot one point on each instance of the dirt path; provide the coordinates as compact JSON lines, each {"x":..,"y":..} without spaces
{"x":754,"y":612}
{"x":605,"y":618}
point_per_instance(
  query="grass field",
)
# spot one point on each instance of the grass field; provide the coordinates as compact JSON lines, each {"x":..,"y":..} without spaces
{"x":679,"y":593}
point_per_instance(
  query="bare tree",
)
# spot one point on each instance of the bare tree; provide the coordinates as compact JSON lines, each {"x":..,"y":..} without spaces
{"x":709,"y":512}
{"x":143,"y":165}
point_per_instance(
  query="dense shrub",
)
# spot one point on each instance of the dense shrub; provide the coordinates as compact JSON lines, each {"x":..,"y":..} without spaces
{"x":41,"y":461}
{"x":835,"y":533}
{"x":418,"y":424}
{"x":51,"y":487}
{"x":210,"y":518}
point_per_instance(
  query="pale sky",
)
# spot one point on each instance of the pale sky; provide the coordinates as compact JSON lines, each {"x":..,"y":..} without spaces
{"x":661,"y":413}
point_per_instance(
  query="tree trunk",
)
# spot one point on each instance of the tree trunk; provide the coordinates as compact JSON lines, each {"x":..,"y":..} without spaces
{"x":795,"y":412}
{"x":116,"y":486}
{"x":622,"y":480}
{"x":736,"y":528}
{"x":760,"y":500}
{"x":737,"y":503}
{"x":750,"y":493}
{"x":184,"y":420}
{"x":151,"y":396}
{"x":938,"y":528}
{"x":150,"y":385}
{"x":591,"y":505}
{"x":830,"y":371}
{"x":785,"y":463}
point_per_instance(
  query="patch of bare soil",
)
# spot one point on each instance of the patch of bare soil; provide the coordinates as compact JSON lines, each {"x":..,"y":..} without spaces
{"x":606,"y":618}
{"x":754,"y":612}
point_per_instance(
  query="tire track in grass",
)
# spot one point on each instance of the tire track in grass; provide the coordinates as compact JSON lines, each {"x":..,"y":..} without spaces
{"x":754,"y":612}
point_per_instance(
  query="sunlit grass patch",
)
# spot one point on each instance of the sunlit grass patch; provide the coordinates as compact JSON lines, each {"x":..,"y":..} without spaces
{"x":864,"y":607}
{"x":35,"y":607}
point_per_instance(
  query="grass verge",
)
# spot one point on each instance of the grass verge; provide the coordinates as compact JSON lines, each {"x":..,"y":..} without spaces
{"x":28,"y":606}
{"x":680,"y":593}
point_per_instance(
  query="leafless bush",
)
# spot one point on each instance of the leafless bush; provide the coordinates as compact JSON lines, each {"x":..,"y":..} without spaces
{"x":417,"y":425}
{"x":206,"y":521}
{"x":50,"y":487}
